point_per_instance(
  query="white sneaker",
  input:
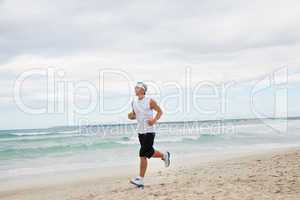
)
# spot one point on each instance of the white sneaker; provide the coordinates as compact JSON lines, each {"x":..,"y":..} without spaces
{"x":166,"y":159}
{"x":137,"y":181}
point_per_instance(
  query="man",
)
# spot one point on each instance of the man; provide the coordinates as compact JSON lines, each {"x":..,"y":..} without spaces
{"x":143,"y":112}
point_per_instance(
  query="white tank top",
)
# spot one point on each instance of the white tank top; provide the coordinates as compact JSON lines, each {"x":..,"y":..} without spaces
{"x":143,"y":113}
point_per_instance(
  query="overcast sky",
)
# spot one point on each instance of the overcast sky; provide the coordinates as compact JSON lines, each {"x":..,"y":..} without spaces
{"x":154,"y":41}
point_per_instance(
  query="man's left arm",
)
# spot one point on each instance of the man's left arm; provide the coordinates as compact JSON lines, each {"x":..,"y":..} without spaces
{"x":154,"y":106}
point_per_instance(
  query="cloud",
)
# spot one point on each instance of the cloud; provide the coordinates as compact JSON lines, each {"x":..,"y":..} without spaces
{"x":52,"y":28}
{"x":155,"y":41}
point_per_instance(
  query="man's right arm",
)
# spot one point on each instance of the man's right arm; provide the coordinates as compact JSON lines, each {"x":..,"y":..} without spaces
{"x":131,"y":115}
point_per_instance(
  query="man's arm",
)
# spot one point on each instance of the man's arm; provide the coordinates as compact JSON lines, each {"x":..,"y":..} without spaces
{"x":154,"y":106}
{"x":132,"y":115}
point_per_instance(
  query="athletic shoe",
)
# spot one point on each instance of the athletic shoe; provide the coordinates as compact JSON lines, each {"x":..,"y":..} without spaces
{"x":166,"y":159}
{"x":137,"y":181}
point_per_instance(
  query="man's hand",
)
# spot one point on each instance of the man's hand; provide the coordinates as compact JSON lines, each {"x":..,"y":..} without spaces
{"x":154,"y":106}
{"x":131,"y":116}
{"x":152,"y":121}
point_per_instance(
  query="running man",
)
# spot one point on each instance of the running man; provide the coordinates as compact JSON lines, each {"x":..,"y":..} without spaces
{"x":142,"y":111}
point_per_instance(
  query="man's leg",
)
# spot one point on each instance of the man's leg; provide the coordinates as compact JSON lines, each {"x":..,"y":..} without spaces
{"x":158,"y":154}
{"x":165,"y":157}
{"x":144,"y":162}
{"x":147,"y":151}
{"x":143,"y":166}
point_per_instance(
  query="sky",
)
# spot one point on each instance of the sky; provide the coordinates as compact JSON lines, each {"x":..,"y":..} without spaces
{"x":76,"y":62}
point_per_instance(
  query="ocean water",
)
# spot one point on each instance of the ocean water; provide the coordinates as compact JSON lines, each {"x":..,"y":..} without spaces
{"x":59,"y":149}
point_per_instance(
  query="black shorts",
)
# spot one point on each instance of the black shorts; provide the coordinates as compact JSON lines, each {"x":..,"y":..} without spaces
{"x":146,"y":141}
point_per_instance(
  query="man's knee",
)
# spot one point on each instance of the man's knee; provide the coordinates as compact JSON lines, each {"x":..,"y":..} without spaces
{"x":147,"y":152}
{"x":143,"y":159}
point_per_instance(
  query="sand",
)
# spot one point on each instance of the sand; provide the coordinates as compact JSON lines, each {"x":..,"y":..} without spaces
{"x":266,"y":175}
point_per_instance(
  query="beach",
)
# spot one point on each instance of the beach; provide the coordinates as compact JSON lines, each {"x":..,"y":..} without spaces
{"x":272,"y":174}
{"x":149,"y":100}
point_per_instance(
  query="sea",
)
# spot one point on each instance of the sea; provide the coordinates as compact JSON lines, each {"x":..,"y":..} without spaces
{"x":63,"y":149}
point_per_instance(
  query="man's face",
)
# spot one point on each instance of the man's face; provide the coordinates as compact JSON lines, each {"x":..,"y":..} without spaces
{"x":138,"y":90}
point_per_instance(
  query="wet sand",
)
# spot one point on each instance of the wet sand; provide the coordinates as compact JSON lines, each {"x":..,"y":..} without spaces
{"x":266,"y":175}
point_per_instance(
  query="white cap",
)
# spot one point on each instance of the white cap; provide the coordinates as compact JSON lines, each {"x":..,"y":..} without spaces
{"x":141,"y":85}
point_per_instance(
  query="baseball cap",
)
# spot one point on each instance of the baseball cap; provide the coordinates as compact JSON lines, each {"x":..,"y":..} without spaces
{"x":141,"y":84}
